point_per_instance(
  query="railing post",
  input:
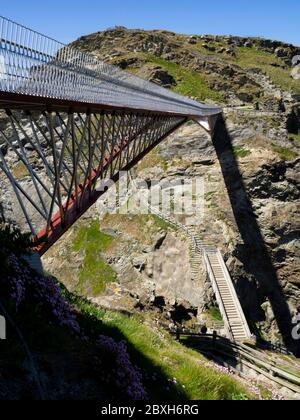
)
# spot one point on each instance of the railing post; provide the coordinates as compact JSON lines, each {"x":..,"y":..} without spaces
{"x":2,"y":328}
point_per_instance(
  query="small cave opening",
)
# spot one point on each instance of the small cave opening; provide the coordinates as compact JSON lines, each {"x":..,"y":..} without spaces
{"x":280,"y":255}
{"x":159,"y":302}
{"x":181,"y":314}
{"x":160,"y":242}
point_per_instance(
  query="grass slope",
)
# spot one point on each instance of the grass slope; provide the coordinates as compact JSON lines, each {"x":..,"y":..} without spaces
{"x":189,"y":82}
{"x":271,"y":65}
{"x":171,"y":371}
{"x":94,"y":273}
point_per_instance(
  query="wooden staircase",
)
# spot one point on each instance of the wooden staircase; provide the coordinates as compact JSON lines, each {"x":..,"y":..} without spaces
{"x":229,"y":304}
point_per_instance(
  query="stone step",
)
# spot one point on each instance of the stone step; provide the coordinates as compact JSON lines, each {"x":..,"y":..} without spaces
{"x":240,"y":334}
{"x":238,"y":330}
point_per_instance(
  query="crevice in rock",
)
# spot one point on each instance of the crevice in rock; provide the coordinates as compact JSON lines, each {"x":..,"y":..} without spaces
{"x":181,"y":314}
{"x":293,"y":123}
{"x":160,"y":241}
{"x":159,"y":302}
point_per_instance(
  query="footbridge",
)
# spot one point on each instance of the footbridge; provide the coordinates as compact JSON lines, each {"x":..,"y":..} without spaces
{"x":69,"y":121}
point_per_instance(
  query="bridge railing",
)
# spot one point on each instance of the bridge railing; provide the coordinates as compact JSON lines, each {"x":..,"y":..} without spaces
{"x":33,"y":64}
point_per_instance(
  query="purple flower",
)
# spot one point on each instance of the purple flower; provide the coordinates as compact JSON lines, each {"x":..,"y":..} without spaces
{"x":22,"y":285}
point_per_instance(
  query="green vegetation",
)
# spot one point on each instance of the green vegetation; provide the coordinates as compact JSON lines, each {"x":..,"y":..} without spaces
{"x":265,"y":393}
{"x":274,"y":67}
{"x":209,"y":195}
{"x":189,"y":82}
{"x":37,"y":365}
{"x":161,"y":223}
{"x":19,"y":170}
{"x":284,"y":153}
{"x":140,"y":227}
{"x":241,"y":152}
{"x":209,"y":198}
{"x":252,"y":57}
{"x":153,"y":159}
{"x":295,"y":138}
{"x":215,"y":313}
{"x":213,"y":44}
{"x":256,"y":329}
{"x":171,"y":370}
{"x":94,"y":273}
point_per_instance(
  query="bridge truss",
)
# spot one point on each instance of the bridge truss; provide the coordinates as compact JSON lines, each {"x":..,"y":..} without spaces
{"x":69,"y":121}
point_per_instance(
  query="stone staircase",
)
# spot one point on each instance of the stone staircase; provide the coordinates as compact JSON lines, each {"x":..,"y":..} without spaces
{"x":196,"y":259}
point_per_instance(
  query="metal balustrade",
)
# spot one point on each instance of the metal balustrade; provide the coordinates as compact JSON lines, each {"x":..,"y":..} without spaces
{"x":33,"y":64}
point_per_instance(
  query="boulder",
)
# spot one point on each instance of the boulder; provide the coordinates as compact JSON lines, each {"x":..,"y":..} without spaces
{"x":295,"y":73}
{"x":245,"y":96}
{"x":139,"y":262}
{"x":192,"y":40}
{"x":163,"y":78}
{"x":248,"y":44}
{"x":272,"y":104}
{"x":210,"y":48}
{"x":227,"y":71}
{"x":230,"y":51}
{"x":281,"y":52}
{"x":158,"y":75}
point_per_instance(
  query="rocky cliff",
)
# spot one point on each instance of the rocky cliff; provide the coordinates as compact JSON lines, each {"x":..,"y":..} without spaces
{"x":251,"y":170}
{"x":252,"y":185}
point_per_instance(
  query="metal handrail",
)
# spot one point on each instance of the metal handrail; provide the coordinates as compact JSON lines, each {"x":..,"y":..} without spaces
{"x":234,"y":295}
{"x":254,"y":361}
{"x":33,"y":64}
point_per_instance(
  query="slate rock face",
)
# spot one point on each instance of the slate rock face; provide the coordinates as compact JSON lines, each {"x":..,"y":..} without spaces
{"x":251,"y":185}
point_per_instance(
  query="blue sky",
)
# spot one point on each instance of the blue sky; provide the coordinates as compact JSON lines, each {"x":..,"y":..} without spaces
{"x":66,"y":20}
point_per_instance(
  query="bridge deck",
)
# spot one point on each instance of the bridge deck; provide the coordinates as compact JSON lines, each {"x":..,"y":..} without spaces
{"x":34,"y":65}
